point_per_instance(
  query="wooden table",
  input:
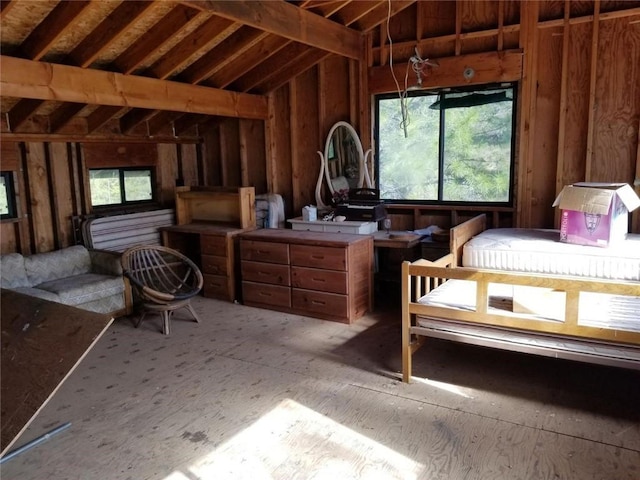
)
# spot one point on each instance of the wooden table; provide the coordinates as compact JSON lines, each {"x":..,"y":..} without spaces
{"x":42,"y":343}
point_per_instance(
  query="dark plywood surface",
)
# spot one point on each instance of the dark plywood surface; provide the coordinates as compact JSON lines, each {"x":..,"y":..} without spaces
{"x":395,"y":239}
{"x":42,"y":343}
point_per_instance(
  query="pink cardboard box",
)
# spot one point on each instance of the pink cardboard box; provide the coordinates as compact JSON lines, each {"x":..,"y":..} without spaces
{"x":595,"y":213}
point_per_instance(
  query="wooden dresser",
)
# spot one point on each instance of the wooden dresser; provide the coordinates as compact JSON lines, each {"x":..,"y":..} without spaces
{"x":322,"y":275}
{"x":208,"y":221}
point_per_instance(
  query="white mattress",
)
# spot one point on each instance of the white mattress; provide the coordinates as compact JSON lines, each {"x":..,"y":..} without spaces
{"x":540,"y":251}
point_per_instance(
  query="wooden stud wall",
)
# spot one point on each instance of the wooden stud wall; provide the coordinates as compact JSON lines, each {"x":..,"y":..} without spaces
{"x":579,"y":95}
{"x":578,"y":116}
{"x":51,"y":182}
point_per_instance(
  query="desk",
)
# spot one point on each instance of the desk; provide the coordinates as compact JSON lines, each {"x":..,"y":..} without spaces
{"x":211,"y":246}
{"x":391,"y":249}
{"x":42,"y":343}
{"x":396,"y":239}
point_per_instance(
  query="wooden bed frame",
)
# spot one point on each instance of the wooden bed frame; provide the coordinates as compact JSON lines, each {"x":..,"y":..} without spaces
{"x":504,"y":329}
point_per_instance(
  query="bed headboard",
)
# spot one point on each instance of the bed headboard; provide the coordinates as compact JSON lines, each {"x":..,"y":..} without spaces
{"x":461,"y":234}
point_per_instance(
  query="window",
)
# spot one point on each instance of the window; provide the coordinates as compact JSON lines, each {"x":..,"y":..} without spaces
{"x":117,"y":186}
{"x":7,"y":196}
{"x":458,"y":146}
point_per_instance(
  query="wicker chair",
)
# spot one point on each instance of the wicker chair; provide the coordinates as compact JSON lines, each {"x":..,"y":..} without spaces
{"x":164,"y":278}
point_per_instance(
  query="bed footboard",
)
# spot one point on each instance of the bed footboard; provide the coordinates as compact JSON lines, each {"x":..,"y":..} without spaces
{"x":584,"y":319}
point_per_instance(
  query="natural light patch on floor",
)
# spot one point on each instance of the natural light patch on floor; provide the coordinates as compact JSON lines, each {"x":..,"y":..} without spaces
{"x":449,"y":387}
{"x":293,"y":441}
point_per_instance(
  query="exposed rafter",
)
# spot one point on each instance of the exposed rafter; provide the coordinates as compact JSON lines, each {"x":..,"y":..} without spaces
{"x":46,"y":81}
{"x":288,"y":21}
{"x":52,"y":28}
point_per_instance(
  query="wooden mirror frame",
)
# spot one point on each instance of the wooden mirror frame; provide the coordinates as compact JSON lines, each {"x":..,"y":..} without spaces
{"x":363,"y":175}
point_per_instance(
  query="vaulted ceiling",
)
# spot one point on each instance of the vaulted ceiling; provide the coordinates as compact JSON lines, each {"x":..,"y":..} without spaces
{"x":127,"y":67}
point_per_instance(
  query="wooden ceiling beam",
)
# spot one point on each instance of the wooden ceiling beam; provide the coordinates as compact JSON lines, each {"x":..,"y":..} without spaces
{"x":130,"y":120}
{"x":162,"y":120}
{"x":490,"y":67}
{"x":270,"y":67}
{"x":154,"y":38}
{"x":21,"y":111}
{"x":289,"y":21}
{"x":204,"y":36}
{"x":6,"y":6}
{"x":330,"y":8}
{"x":101,"y":138}
{"x":108,"y":31}
{"x":100,"y":116}
{"x":62,"y":115}
{"x":221,"y":56}
{"x":354,"y":11}
{"x":303,"y":62}
{"x":255,"y":56}
{"x":56,"y":23}
{"x":131,"y":58}
{"x":379,"y":14}
{"x":185,"y":122}
{"x":22,"y":78}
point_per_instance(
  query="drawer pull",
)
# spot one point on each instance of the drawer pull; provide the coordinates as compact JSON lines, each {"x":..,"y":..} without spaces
{"x":320,"y":280}
{"x":264,"y":294}
{"x":263,"y":252}
{"x":317,"y":257}
{"x":317,"y":302}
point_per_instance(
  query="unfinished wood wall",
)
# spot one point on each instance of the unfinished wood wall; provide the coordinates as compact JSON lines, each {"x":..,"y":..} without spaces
{"x":51,"y":180}
{"x":579,"y":111}
{"x":584,"y":90}
{"x":301,"y":115}
{"x":579,"y":95}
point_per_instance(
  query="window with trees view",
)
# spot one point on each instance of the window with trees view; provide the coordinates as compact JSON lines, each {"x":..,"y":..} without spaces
{"x":449,"y":146}
{"x":7,"y":196}
{"x":117,"y":186}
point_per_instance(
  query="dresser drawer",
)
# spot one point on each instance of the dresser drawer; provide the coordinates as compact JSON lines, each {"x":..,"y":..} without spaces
{"x":265,"y":272}
{"x":331,"y":258}
{"x":264,"y":294}
{"x":264,"y":251}
{"x":213,"y":245}
{"x":317,"y":279}
{"x":216,"y":286}
{"x":214,"y":264}
{"x":325,"y":304}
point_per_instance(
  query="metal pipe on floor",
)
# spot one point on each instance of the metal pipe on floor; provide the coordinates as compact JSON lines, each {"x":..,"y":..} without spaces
{"x":35,"y":442}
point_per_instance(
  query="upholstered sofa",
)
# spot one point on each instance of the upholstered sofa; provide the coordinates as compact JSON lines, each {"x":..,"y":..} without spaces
{"x":87,"y":279}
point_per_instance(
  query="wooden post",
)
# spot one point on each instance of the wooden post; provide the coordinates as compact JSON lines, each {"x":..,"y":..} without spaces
{"x":563,"y":104}
{"x":529,"y":42}
{"x":501,"y":25}
{"x":635,"y":216}
{"x":458,"y":27}
{"x":592,"y":91}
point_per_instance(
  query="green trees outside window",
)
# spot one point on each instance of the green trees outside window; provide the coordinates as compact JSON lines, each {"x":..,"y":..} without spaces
{"x":458,"y":146}
{"x":115,"y":186}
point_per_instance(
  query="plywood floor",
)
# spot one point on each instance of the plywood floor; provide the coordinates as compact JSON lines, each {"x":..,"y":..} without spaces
{"x":256,"y":394}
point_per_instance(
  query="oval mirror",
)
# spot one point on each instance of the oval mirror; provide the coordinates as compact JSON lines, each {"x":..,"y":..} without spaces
{"x":343,"y":163}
